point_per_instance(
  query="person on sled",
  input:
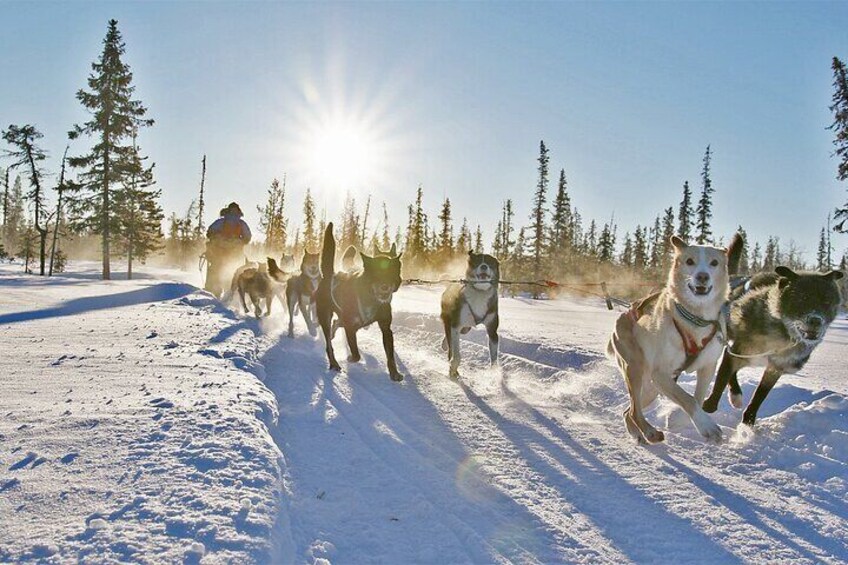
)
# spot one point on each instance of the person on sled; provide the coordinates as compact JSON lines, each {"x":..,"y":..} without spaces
{"x":225,"y":241}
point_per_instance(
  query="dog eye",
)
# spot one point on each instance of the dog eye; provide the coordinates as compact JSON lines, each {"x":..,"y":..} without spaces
{"x":714,"y":263}
{"x":690,"y":261}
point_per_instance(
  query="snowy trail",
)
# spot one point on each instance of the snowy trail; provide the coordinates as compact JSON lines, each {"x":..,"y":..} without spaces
{"x":149,"y":423}
{"x":543,"y":438}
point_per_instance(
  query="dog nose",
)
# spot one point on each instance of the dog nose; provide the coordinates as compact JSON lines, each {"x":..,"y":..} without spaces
{"x":815,"y":321}
{"x":484,"y":267}
{"x":702,"y":278}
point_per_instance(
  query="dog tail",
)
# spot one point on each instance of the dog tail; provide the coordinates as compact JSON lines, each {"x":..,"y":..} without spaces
{"x":734,"y":254}
{"x":328,"y":253}
{"x":348,"y":258}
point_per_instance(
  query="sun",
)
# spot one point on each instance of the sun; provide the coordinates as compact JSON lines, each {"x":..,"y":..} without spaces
{"x":342,"y":156}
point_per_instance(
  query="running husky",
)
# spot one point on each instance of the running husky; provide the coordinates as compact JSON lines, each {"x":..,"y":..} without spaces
{"x":471,"y":303}
{"x":359,"y":299}
{"x":300,"y":290}
{"x":256,"y":283}
{"x":777,"y":320}
{"x":673,"y":331}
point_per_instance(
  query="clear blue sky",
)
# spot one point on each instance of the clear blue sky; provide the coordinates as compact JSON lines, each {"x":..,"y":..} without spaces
{"x":457,"y":96}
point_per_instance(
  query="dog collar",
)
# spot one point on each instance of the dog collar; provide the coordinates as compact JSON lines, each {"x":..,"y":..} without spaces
{"x":692,"y":318}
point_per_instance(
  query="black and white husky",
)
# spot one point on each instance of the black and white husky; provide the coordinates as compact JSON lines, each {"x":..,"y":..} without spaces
{"x":472,"y":303}
{"x":777,"y":320}
{"x":300,"y":290}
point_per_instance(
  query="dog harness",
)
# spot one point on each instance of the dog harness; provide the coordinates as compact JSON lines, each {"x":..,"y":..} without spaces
{"x":365,"y":316}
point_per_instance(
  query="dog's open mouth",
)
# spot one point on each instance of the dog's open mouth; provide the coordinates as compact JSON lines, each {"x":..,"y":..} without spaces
{"x":700,"y":289}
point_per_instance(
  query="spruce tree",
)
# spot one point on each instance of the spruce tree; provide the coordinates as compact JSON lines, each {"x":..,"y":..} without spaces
{"x":385,"y":240}
{"x":349,"y":233}
{"x":821,"y":256}
{"x":58,"y":222}
{"x":115,"y":115}
{"x":29,"y":155}
{"x":590,"y":246}
{"x":138,"y":210}
{"x":200,"y":228}
{"x":463,"y":242}
{"x":310,"y":235}
{"x":665,"y":240}
{"x":685,"y":215}
{"x":507,"y":228}
{"x":657,"y":246}
{"x":445,"y":241}
{"x":478,"y":240}
{"x":840,"y":129}
{"x":272,"y":220}
{"x":537,"y":217}
{"x":497,"y":242}
{"x":626,"y":257}
{"x":606,"y":244}
{"x":416,"y":237}
{"x":704,"y":211}
{"x":756,"y":258}
{"x":560,"y":238}
{"x":640,"y":247}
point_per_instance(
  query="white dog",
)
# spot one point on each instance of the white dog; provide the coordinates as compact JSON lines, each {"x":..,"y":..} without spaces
{"x":679,"y":329}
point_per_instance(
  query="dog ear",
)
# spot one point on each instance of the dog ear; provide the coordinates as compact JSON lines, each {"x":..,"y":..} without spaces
{"x":786,"y":272}
{"x":393,"y":251}
{"x":834,"y":275}
{"x":471,"y":253}
{"x":678,"y":243}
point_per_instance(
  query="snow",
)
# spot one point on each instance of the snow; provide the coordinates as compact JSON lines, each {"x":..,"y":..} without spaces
{"x":142,"y":420}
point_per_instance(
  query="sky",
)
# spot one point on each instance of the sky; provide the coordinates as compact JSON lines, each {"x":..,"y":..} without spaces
{"x":377,"y":98}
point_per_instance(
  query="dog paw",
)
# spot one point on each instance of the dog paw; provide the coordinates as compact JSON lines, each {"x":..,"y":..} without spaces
{"x":654,"y":436}
{"x":335,"y":367}
{"x":445,"y":344}
{"x":353,"y":358}
{"x":453,"y":373}
{"x":710,"y":406}
{"x":707,"y":428}
{"x":291,"y":333}
{"x":397,"y":377}
{"x":313,"y":332}
{"x":735,"y":400}
{"x":749,"y":419}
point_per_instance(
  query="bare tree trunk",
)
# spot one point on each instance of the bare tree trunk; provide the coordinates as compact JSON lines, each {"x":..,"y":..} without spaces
{"x":201,"y":203}
{"x":60,"y":190}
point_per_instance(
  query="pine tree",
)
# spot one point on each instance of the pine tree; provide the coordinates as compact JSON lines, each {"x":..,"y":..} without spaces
{"x":445,"y":241}
{"x":272,"y":220}
{"x":28,"y":242}
{"x":349,"y":233}
{"x":626,"y":257}
{"x":115,"y":115}
{"x":137,"y":207}
{"x":704,"y":211}
{"x":756,"y":257}
{"x":363,"y":229}
{"x":840,"y":129}
{"x":560,"y":239}
{"x":58,"y":223}
{"x":385,"y":240}
{"x":507,"y":228}
{"x":478,"y":240}
{"x":30,"y":155}
{"x":519,"y":252}
{"x":590,"y":246}
{"x":537,"y":217}
{"x":822,"y":264}
{"x":685,"y":215}
{"x":416,"y":236}
{"x":640,"y":247}
{"x":771,"y":255}
{"x":16,"y":221}
{"x":606,"y":244}
{"x":657,"y":247}
{"x":310,"y":236}
{"x":200,"y":228}
{"x":665,"y":239}
{"x":497,"y":242}
{"x":463,"y":242}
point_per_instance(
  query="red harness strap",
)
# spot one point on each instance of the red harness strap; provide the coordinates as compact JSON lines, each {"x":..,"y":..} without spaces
{"x":691,"y":345}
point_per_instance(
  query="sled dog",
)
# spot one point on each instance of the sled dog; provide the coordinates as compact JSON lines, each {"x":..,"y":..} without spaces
{"x":228,"y":296}
{"x":777,"y":320}
{"x":358,"y":299}
{"x":256,"y":283}
{"x":468,"y":304}
{"x":676,"y":330}
{"x":300,"y":290}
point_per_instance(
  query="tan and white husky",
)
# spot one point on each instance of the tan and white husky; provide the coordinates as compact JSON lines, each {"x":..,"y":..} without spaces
{"x":679,"y":329}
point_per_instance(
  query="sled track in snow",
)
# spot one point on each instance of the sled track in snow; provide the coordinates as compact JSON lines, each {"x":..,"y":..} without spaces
{"x":529,"y":463}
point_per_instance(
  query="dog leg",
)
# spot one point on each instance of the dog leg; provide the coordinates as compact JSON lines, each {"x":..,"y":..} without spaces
{"x":703,"y":423}
{"x":492,"y":331}
{"x":305,"y":309}
{"x":325,"y":319}
{"x":256,"y":300}
{"x":770,"y":377}
{"x":446,"y":341}
{"x":243,"y":301}
{"x":455,"y":355}
{"x":354,"y":356}
{"x":313,"y":317}
{"x":725,"y":372}
{"x":633,"y":367}
{"x":291,"y":305}
{"x":385,"y":324}
{"x":735,"y":392}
